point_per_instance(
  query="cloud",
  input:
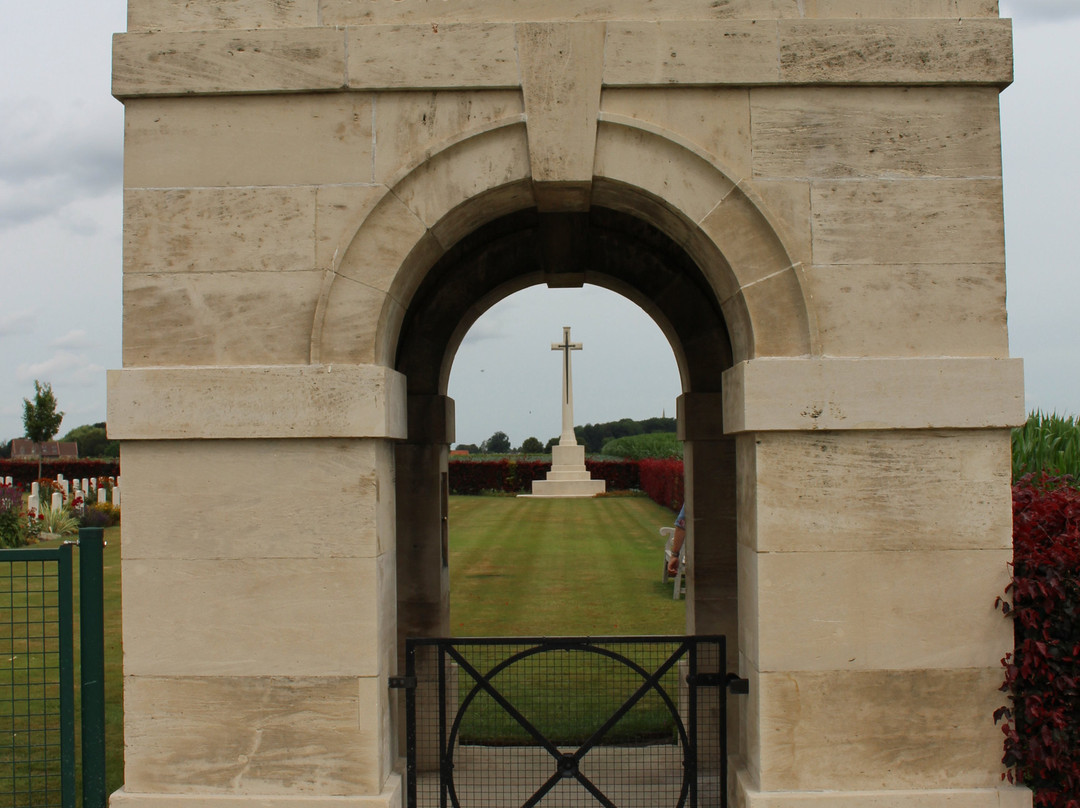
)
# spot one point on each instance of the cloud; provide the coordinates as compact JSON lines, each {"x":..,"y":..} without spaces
{"x":52,"y":157}
{"x":61,"y":363}
{"x":72,"y":339}
{"x":1041,"y":10}
{"x":17,"y":323}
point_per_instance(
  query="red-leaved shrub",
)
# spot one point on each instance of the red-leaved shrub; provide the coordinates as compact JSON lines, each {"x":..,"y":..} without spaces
{"x":1042,"y":728}
{"x":662,"y":480}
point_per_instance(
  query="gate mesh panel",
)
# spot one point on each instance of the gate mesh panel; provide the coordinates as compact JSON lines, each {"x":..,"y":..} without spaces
{"x":30,"y":718}
{"x":567,"y":722}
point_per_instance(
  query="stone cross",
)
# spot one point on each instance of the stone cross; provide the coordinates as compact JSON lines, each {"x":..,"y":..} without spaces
{"x":567,"y":437}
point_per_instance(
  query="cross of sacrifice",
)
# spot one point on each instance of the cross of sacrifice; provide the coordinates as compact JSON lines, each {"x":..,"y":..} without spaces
{"x":567,"y":437}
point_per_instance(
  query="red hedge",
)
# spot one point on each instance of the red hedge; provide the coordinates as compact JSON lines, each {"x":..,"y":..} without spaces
{"x":511,"y":476}
{"x":24,"y":472}
{"x":662,"y":480}
{"x":1042,"y":729}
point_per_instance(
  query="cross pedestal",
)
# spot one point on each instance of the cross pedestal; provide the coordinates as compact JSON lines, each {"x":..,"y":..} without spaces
{"x":568,"y":476}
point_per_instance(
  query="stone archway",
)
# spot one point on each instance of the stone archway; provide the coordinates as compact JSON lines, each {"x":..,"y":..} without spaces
{"x":301,"y":177}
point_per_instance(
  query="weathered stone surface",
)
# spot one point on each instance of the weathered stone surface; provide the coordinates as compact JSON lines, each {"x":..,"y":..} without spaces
{"x":881,"y":222}
{"x":412,"y":126}
{"x":274,"y":401}
{"x":210,"y":318}
{"x":248,"y":140}
{"x":884,"y":491}
{"x":477,"y":165}
{"x":344,"y":12}
{"x":388,"y":235}
{"x":776,"y":317}
{"x":448,"y":55}
{"x":390,"y":797}
{"x":561,"y":68}
{"x":281,"y":479}
{"x":901,"y":52}
{"x":881,"y":9}
{"x":684,"y":52}
{"x":219,"y":230}
{"x":911,"y":311}
{"x":229,"y":736}
{"x":261,"y":616}
{"x":786,"y":204}
{"x":716,"y":121}
{"x":151,"y":15}
{"x":354,"y":317}
{"x":829,"y":394}
{"x":831,"y":132}
{"x":878,"y":730}
{"x":228,"y":61}
{"x":860,"y":610}
{"x":340,"y":210}
{"x":660,"y":167}
{"x":754,"y":252}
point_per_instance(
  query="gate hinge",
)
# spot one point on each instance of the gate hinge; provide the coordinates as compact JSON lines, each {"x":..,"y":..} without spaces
{"x":402,"y":682}
{"x":731,"y":681}
{"x":706,"y":680}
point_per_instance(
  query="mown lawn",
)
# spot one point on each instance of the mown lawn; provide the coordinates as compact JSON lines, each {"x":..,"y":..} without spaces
{"x":522,"y":566}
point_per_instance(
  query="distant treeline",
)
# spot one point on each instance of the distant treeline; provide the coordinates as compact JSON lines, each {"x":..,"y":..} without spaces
{"x":594,"y":436}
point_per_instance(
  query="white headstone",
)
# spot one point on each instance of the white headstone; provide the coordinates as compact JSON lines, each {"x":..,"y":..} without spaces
{"x":34,"y":489}
{"x":57,"y":501}
{"x":85,"y":485}
{"x":101,"y":495}
{"x":32,"y":502}
{"x":7,"y":481}
{"x":116,"y":497}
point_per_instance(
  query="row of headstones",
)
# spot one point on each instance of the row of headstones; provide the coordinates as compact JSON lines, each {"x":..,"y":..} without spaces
{"x":87,"y":487}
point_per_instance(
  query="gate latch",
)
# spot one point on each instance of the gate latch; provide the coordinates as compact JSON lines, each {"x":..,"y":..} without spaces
{"x":735,"y":685}
{"x":402,"y":682}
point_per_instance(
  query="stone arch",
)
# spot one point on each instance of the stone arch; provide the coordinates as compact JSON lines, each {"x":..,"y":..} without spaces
{"x":651,"y":174}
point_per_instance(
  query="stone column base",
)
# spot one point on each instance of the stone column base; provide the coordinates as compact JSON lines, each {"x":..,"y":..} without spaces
{"x":1005,"y":797}
{"x":391,"y":797}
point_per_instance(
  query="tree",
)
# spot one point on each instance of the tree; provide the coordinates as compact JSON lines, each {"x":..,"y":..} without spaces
{"x":40,"y":418}
{"x":498,"y":443}
{"x":531,"y":446}
{"x":93,"y":441}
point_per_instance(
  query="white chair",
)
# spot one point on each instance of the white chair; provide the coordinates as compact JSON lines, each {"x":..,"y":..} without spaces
{"x":679,"y":588}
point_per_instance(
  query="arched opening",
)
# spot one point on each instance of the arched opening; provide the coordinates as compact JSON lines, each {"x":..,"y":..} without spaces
{"x":603,"y":247}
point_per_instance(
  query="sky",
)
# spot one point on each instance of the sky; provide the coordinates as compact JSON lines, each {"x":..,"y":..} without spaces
{"x":61,"y":156}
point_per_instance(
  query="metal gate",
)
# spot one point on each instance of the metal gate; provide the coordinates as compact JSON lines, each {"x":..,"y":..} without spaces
{"x":569,"y":721}
{"x":39,"y":756}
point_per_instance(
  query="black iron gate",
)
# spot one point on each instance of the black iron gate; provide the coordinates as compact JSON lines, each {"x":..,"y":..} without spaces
{"x":568,"y":721}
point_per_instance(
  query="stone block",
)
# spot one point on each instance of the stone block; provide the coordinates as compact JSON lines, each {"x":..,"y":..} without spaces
{"x":951,"y":51}
{"x":882,"y":222}
{"x":881,"y":9}
{"x":660,"y":167}
{"x":222,"y":61}
{"x":340,"y":210}
{"x":214,"y":318}
{"x":786,"y":205}
{"x":813,"y":394}
{"x":219,"y":230}
{"x":757,"y":252}
{"x":248,"y":140}
{"x":464,"y":171}
{"x":689,"y":52}
{"x":879,"y":491}
{"x":154,"y":15}
{"x":910,"y":310}
{"x":714,"y":120}
{"x":879,"y":132}
{"x":281,"y":478}
{"x":778,"y":319}
{"x":561,"y":69}
{"x":251,"y":616}
{"x":272,"y":401}
{"x":348,"y":12}
{"x":439,"y":56}
{"x":254,"y":737}
{"x":389,"y":797}
{"x":354,"y":315}
{"x":375,"y":255}
{"x":877,"y":730}
{"x":862,"y":610}
{"x":411,"y":126}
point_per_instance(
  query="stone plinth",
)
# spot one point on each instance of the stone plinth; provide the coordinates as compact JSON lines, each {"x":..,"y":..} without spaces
{"x":568,"y":476}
